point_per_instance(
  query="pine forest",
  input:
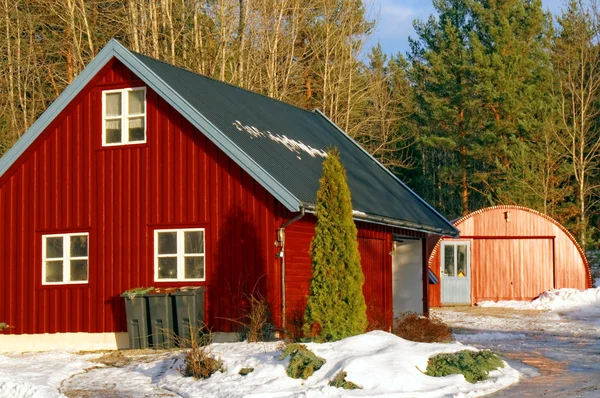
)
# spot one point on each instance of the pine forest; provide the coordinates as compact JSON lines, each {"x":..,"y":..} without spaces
{"x":495,"y":102}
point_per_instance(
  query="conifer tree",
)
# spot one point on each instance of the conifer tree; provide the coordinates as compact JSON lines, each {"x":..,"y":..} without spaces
{"x":336,"y":306}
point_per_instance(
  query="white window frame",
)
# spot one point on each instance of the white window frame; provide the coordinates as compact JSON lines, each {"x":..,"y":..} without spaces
{"x":180,"y":255}
{"x":125,"y":116}
{"x":455,"y":243}
{"x":66,"y":259}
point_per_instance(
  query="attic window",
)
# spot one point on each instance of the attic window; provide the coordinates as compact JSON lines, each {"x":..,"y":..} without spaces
{"x":124,"y":116}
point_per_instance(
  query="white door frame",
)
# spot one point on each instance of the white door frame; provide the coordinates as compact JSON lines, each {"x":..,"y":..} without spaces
{"x":455,"y":289}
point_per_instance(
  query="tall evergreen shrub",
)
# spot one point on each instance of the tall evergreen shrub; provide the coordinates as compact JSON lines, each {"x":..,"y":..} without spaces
{"x":336,"y":306}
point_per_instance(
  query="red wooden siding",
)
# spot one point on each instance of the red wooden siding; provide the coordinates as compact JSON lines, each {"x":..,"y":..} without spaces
{"x":375,"y":245}
{"x":66,"y":181}
{"x":515,"y":259}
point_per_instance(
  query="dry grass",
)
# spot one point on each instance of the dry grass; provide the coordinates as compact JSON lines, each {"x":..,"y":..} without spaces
{"x":414,"y":327}
{"x":257,"y":324}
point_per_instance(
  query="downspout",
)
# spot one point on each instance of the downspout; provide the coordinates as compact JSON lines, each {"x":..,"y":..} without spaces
{"x":281,"y":243}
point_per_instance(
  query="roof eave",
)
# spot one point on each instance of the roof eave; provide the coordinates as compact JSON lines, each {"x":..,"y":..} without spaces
{"x":452,"y":231}
{"x":392,"y":222}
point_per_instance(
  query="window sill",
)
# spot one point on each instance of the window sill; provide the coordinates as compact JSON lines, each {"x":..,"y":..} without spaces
{"x":122,"y":146}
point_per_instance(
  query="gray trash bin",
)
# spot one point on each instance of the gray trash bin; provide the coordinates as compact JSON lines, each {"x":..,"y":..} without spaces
{"x":137,"y":317}
{"x":160,"y":314}
{"x":189,"y":310}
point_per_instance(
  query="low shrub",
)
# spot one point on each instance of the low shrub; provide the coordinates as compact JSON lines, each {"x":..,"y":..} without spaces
{"x":340,"y":381}
{"x":257,"y":324}
{"x":246,"y":371}
{"x":303,"y":362}
{"x":414,"y":327}
{"x":198,"y":361}
{"x":474,"y":365}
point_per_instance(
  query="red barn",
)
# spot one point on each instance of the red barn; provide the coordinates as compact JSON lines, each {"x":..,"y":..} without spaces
{"x":144,"y":174}
{"x":505,"y":253}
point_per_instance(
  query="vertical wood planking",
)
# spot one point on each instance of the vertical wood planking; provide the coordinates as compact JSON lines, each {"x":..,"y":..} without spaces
{"x":66,"y":182}
{"x":518,"y":258}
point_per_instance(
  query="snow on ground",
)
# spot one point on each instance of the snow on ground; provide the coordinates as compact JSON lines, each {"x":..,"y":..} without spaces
{"x":38,"y":374}
{"x":555,"y":300}
{"x":381,"y":363}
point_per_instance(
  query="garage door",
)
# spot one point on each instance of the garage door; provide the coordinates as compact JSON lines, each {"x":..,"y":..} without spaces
{"x":511,"y":269}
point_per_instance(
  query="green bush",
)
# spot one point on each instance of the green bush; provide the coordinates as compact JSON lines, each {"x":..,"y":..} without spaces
{"x":474,"y":365}
{"x":246,"y":371}
{"x":340,"y":381}
{"x":335,"y":307}
{"x":414,"y":327}
{"x":303,"y":362}
{"x":3,"y":326}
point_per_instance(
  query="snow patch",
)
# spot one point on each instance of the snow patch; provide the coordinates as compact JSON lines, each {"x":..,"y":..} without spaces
{"x":289,"y":143}
{"x":381,"y":363}
{"x":38,"y":374}
{"x":555,"y":300}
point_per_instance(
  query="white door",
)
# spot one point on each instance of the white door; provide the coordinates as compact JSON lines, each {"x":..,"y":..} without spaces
{"x":456,"y":272}
{"x":407,"y":276}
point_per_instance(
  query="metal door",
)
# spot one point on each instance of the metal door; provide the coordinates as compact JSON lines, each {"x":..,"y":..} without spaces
{"x":456,"y":272}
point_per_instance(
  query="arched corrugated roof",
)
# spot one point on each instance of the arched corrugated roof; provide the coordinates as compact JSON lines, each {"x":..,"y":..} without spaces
{"x":526,"y":209}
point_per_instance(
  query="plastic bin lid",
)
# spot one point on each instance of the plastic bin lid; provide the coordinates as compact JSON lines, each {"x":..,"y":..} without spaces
{"x":189,"y":290}
{"x":161,"y":291}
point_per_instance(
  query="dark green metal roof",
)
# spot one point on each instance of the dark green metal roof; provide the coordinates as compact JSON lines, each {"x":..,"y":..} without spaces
{"x":278,"y":144}
{"x":287,"y":142}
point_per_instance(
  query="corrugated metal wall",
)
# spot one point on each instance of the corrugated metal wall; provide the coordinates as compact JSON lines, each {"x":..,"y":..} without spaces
{"x":66,"y":182}
{"x":515,"y":258}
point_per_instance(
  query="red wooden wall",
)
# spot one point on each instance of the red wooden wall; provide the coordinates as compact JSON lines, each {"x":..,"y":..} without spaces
{"x":66,"y":182}
{"x":375,"y":246}
{"x":516,"y":259}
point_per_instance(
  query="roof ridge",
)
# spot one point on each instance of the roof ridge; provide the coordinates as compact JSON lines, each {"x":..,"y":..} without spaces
{"x":222,"y":82}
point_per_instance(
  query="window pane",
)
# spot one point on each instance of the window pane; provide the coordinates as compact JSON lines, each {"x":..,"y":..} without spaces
{"x":461,"y":261}
{"x":194,"y":267}
{"x":167,"y":268}
{"x":194,"y":242}
{"x":54,"y":271}
{"x":113,"y":104}
{"x":136,"y":102}
{"x":113,"y":131}
{"x":79,"y":270}
{"x":136,"y":129}
{"x":79,"y":247}
{"x":54,"y":247}
{"x":449,"y":260}
{"x":167,"y":242}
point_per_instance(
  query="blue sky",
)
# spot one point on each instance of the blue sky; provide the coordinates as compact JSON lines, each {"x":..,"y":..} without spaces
{"x":394,"y":20}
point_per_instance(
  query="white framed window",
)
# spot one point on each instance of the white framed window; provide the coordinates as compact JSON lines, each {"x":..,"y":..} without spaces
{"x":179,"y":255}
{"x":124,"y":116}
{"x":65,"y":258}
{"x":456,"y":258}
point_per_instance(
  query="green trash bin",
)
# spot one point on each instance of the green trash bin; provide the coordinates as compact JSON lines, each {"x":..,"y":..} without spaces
{"x":137,"y":317}
{"x":189,"y":310}
{"x":160,"y":314}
